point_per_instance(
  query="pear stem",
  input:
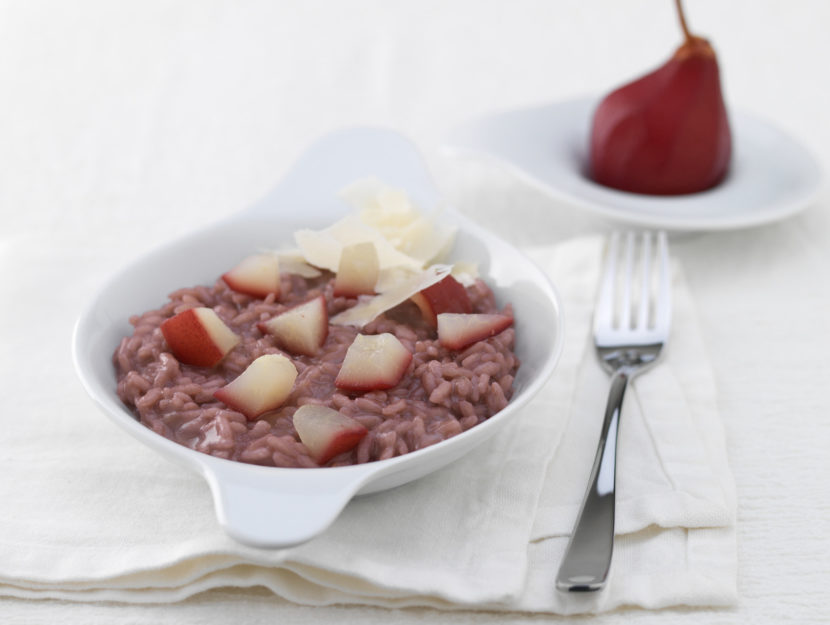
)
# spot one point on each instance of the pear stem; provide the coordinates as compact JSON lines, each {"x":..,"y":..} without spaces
{"x":682,"y":16}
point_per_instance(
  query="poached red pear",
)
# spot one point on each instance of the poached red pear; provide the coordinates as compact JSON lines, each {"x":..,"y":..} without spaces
{"x":666,"y":133}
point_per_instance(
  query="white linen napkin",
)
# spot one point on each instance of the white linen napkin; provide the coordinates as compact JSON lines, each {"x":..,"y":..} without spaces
{"x":90,"y":514}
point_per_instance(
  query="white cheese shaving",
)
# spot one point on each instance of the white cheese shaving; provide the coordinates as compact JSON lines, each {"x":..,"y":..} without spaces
{"x":389,"y":278}
{"x":391,"y":213}
{"x":465,"y":272}
{"x":368,"y":308}
{"x":294,"y":262}
{"x":322,"y":248}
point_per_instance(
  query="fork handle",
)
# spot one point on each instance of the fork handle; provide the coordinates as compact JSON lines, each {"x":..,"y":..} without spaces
{"x":588,"y":555}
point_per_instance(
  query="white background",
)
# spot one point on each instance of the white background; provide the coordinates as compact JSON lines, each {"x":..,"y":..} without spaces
{"x":140,"y":120}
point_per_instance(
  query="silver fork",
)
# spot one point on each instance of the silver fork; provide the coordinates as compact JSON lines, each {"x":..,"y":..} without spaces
{"x":631,"y":325}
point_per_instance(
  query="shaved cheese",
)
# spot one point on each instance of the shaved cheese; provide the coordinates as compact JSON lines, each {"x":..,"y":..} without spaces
{"x":393,"y":276}
{"x":362,"y":194}
{"x":465,"y":272}
{"x":294,"y":262}
{"x":369,"y":308}
{"x":319,"y":248}
{"x":380,"y":203}
{"x":425,"y":240}
{"x":390,"y":211}
{"x":322,"y":248}
{"x":406,"y":241}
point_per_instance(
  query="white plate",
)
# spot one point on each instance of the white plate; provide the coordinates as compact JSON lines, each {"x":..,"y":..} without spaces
{"x":276,"y":507}
{"x":772,"y":176}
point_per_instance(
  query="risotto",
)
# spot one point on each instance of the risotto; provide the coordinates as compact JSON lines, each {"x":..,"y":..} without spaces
{"x":442,"y":393}
{"x":185,"y":371}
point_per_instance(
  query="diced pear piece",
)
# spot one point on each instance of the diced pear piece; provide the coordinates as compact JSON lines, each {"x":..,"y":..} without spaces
{"x":326,"y":432}
{"x":373,"y":362}
{"x":302,"y":329}
{"x":263,"y":386}
{"x":446,"y":296}
{"x":457,"y":331}
{"x":198,"y":336}
{"x":257,"y":275}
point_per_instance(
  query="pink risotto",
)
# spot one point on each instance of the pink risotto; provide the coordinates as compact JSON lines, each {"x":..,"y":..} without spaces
{"x":442,"y":393}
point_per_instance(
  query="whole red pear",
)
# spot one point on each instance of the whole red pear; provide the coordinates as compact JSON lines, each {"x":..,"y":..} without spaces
{"x":666,"y":133}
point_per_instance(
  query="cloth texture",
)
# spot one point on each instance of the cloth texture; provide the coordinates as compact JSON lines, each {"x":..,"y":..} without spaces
{"x":93,"y":515}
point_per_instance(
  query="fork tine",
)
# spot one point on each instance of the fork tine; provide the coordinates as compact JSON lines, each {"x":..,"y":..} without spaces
{"x":663,"y":305}
{"x":625,"y":303}
{"x":645,"y":283}
{"x":604,"y":313}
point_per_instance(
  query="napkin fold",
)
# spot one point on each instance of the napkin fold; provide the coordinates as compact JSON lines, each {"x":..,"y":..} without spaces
{"x":91,"y":514}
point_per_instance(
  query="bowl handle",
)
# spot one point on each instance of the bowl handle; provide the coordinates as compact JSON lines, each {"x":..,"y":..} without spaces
{"x":338,"y":159}
{"x":272,"y":510}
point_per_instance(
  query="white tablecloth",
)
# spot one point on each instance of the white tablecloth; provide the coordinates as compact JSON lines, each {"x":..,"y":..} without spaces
{"x":149,"y":118}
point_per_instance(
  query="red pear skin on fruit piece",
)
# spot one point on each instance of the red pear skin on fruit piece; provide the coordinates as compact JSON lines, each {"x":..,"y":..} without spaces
{"x":446,"y":296}
{"x":263,"y":386}
{"x":301,"y":330}
{"x":198,"y":337}
{"x":358,"y":271}
{"x":373,"y":362}
{"x":257,"y":275}
{"x":325,"y":432}
{"x":457,"y":331}
{"x":666,"y":133}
